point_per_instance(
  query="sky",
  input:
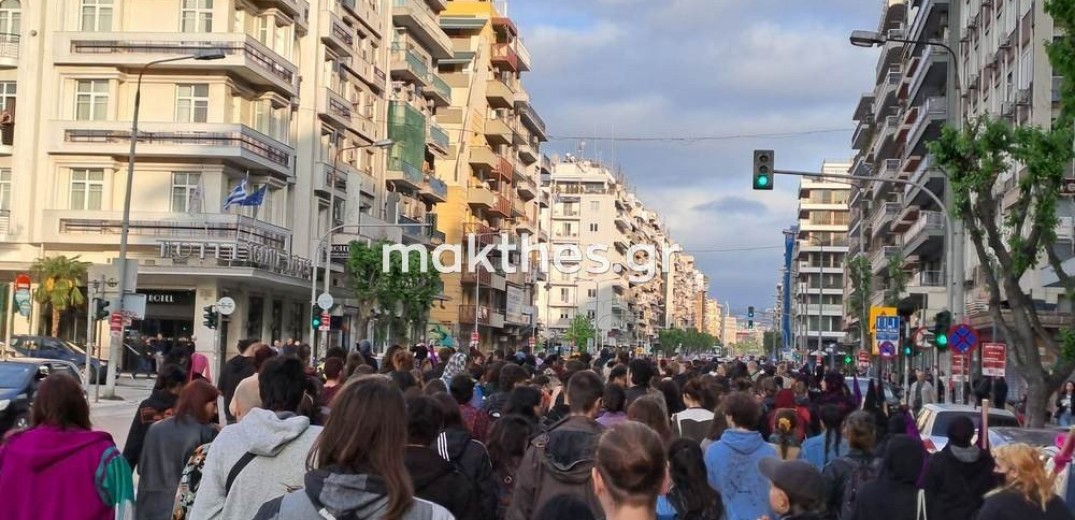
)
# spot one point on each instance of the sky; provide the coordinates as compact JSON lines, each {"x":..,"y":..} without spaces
{"x":688,"y":68}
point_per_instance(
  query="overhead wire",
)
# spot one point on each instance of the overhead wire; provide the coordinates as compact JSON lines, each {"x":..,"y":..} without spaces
{"x":698,"y":138}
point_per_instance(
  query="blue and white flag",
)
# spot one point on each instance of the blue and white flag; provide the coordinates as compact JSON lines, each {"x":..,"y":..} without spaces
{"x":256,"y":198}
{"x":237,"y":196}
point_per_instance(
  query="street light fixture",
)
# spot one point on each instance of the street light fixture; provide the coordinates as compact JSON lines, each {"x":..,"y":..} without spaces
{"x":866,"y":39}
{"x":117,"y":343}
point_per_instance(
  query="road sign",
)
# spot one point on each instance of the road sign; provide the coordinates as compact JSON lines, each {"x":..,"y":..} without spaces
{"x":22,"y":282}
{"x":962,"y":338}
{"x":22,"y":294}
{"x":325,"y":301}
{"x":474,"y":336}
{"x":109,"y":273}
{"x":994,"y":359}
{"x":225,"y":306}
{"x":887,"y":349}
{"x":959,"y":368}
{"x":863,"y":357}
{"x":919,"y":338}
{"x":887,"y":332}
{"x":134,"y":306}
{"x":875,"y":312}
{"x":1067,"y":187}
{"x":116,"y":322}
{"x":326,"y":322}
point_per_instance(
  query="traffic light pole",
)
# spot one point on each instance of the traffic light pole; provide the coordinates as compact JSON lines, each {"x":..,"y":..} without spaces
{"x":951,"y":280}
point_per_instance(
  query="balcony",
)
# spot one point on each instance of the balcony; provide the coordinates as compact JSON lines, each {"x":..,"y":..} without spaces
{"x":324,"y":179}
{"x":931,"y":74}
{"x":294,"y":8}
{"x":438,"y":139}
{"x":927,"y":279}
{"x":245,"y":57}
{"x":409,"y":65}
{"x":929,"y":18}
{"x":336,"y":34}
{"x":151,"y":228}
{"x":890,"y":168}
{"x":500,"y":95}
{"x":239,"y":144}
{"x":501,"y":206}
{"x":504,"y":55}
{"x":863,"y":131}
{"x":930,"y":117}
{"x":333,"y":107}
{"x":364,"y":11}
{"x":931,"y":177}
{"x":484,"y":158}
{"x":439,"y":91}
{"x":466,"y":314}
{"x":527,"y":189}
{"x":498,"y":130}
{"x":879,"y":259}
{"x":481,"y":197}
{"x":421,"y":22}
{"x":529,"y":116}
{"x":403,"y":173}
{"x":9,"y":51}
{"x":926,"y":237}
{"x":435,"y":189}
{"x":884,"y":213}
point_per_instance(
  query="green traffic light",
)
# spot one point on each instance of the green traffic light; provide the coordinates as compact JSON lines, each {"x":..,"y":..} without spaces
{"x":763,"y":181}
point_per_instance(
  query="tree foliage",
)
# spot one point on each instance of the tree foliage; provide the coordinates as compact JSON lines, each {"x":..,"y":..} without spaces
{"x":861,"y":274}
{"x":58,"y":282}
{"x":689,"y":340}
{"x":895,"y":280}
{"x":1010,"y":242}
{"x":580,"y":332}
{"x":403,"y":295}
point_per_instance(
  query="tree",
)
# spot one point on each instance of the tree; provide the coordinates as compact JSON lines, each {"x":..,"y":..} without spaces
{"x":895,"y":280}
{"x":373,"y":284}
{"x":580,"y":332}
{"x":58,"y":280}
{"x":861,"y":274}
{"x":771,"y":341}
{"x":1011,"y":243}
{"x":367,"y":280}
{"x":689,"y":340}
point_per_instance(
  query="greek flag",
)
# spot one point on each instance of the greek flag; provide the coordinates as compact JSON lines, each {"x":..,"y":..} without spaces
{"x":256,"y":198}
{"x":237,"y":196}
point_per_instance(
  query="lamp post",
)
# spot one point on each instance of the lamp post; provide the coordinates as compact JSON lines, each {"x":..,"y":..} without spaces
{"x":384,"y":143}
{"x":117,"y":343}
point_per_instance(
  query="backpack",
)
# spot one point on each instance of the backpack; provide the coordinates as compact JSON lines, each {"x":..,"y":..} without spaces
{"x":861,"y":472}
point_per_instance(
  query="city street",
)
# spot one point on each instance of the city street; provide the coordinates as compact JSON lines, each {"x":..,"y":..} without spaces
{"x":115,"y":417}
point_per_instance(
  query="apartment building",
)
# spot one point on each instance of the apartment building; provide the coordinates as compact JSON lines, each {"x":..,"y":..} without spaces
{"x":69,"y":72}
{"x":818,"y":258}
{"x":713,"y":315}
{"x":492,"y":162}
{"x":682,"y":294}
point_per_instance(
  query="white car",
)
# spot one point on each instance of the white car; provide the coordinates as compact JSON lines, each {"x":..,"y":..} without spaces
{"x":933,"y":421}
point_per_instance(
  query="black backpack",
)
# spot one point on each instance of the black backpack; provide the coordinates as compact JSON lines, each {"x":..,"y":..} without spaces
{"x":860,"y":473}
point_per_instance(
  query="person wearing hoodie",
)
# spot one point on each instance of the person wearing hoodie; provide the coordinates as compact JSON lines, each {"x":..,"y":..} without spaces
{"x":845,"y":476}
{"x":366,"y":349}
{"x":356,"y":470}
{"x":236,"y":369}
{"x":732,"y":461}
{"x":560,"y":460}
{"x":894,"y":495}
{"x":477,"y":422}
{"x":456,"y":445}
{"x":159,"y":405}
{"x":262,"y":457}
{"x":958,"y":476}
{"x":168,"y":446}
{"x":59,"y":469}
{"x":434,"y":478}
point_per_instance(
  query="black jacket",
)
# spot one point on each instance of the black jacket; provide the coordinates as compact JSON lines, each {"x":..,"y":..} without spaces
{"x":1010,"y":505}
{"x":472,"y":460}
{"x":957,"y":480}
{"x":557,"y":462}
{"x":235,"y":370}
{"x":894,"y":495}
{"x":634,"y":393}
{"x":159,"y":405}
{"x":437,"y":481}
{"x":494,"y":404}
{"x":168,"y":445}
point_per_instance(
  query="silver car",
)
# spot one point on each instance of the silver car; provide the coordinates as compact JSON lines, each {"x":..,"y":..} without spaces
{"x":933,"y":421}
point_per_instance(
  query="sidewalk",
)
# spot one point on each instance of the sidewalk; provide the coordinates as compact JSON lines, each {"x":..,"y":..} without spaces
{"x":132,"y":392}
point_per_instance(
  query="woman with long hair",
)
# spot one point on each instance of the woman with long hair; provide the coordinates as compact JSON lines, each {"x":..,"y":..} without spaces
{"x":388,"y":361}
{"x":861,"y":439}
{"x":60,"y":468}
{"x":525,"y":400}
{"x":630,"y":471}
{"x":507,"y":443}
{"x":647,"y":410}
{"x":785,"y":436}
{"x":690,"y":497}
{"x":1027,"y":493}
{"x":355,"y":469}
{"x":169,"y":444}
{"x":1065,"y":403}
{"x":829,"y":444}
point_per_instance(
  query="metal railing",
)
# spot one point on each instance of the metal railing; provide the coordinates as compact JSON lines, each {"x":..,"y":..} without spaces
{"x":178,"y":226}
{"x":438,"y":136}
{"x":9,"y":45}
{"x":441,"y":87}
{"x":247,"y":138}
{"x":410,"y":172}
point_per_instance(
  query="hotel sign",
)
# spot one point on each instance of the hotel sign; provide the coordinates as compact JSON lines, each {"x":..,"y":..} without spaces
{"x":251,"y":255}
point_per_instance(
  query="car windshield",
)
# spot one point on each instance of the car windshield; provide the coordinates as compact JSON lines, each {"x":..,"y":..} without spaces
{"x":74,"y":348}
{"x":14,"y":375}
{"x":944,"y":419}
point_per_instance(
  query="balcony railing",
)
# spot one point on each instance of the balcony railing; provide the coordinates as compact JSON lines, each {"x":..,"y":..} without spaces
{"x":173,"y":226}
{"x":415,"y":63}
{"x":505,"y":53}
{"x":246,"y":138}
{"x":528,"y":113}
{"x":928,"y":222}
{"x":885,"y":212}
{"x":441,"y":87}
{"x":438,"y":136}
{"x":928,"y":279}
{"x":437,"y":186}
{"x":411,"y":173}
{"x":9,"y":45}
{"x":466,"y":314}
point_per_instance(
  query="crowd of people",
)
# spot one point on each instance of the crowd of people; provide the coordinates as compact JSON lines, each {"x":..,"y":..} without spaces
{"x":430,"y":435}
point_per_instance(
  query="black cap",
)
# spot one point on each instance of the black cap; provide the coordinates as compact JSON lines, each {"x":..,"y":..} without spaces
{"x":798,"y":479}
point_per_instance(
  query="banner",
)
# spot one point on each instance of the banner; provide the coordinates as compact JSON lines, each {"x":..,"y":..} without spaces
{"x":994,"y":359}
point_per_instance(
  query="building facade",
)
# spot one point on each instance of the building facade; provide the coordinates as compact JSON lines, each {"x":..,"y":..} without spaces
{"x":818,"y":260}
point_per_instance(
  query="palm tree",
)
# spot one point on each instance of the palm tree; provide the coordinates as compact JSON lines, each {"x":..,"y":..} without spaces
{"x":58,"y":281}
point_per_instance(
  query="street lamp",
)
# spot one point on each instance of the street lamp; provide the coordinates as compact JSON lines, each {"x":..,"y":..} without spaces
{"x":384,"y":143}
{"x":874,"y":39}
{"x":117,"y":343}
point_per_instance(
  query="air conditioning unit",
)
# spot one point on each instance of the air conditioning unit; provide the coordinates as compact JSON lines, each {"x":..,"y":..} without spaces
{"x":1007,"y":109}
{"x":1022,"y":96}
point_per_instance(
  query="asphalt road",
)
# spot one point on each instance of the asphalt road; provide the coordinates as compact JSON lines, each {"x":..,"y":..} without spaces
{"x":115,"y":417}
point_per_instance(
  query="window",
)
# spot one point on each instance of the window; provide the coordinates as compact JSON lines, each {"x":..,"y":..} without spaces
{"x":565,"y":294}
{"x":592,"y":293}
{"x":91,"y":100}
{"x":5,"y":189}
{"x":595,"y":205}
{"x":7,"y":94}
{"x":96,"y":15}
{"x":196,"y":16}
{"x":593,"y":226}
{"x":565,"y":314}
{"x":192,"y":103}
{"x":186,"y":193}
{"x":87,"y":185}
{"x":591,"y":314}
{"x":10,"y":18}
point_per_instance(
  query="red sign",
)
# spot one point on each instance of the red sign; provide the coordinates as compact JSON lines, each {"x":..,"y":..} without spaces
{"x":864,"y":357}
{"x":994,"y":359}
{"x":959,"y":368}
{"x":533,"y":341}
{"x":22,"y":282}
{"x":474,"y":335}
{"x":116,"y":322}
{"x":326,"y":322}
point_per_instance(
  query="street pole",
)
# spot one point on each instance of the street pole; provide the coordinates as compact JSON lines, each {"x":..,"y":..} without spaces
{"x":820,"y":293}
{"x":116,"y":345}
{"x":9,"y":319}
{"x":91,"y":309}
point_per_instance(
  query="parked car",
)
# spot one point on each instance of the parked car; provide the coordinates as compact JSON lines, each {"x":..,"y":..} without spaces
{"x":49,"y":347}
{"x":933,"y":421}
{"x":893,"y":393}
{"x":18,"y":385}
{"x":1043,"y":438}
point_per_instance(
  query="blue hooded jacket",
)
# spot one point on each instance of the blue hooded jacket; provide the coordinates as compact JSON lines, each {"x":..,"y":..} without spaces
{"x":732,"y":468}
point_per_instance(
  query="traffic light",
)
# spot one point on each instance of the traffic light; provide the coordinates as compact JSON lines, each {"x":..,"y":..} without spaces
{"x":315,"y":318}
{"x":763,"y":169}
{"x":941,"y":323}
{"x":848,"y":359}
{"x":101,"y":309}
{"x":210,"y":316}
{"x":750,"y":317}
{"x":908,"y":349}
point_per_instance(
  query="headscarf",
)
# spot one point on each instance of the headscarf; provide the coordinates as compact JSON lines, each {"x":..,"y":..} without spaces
{"x":457,"y":364}
{"x":365,"y":346}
